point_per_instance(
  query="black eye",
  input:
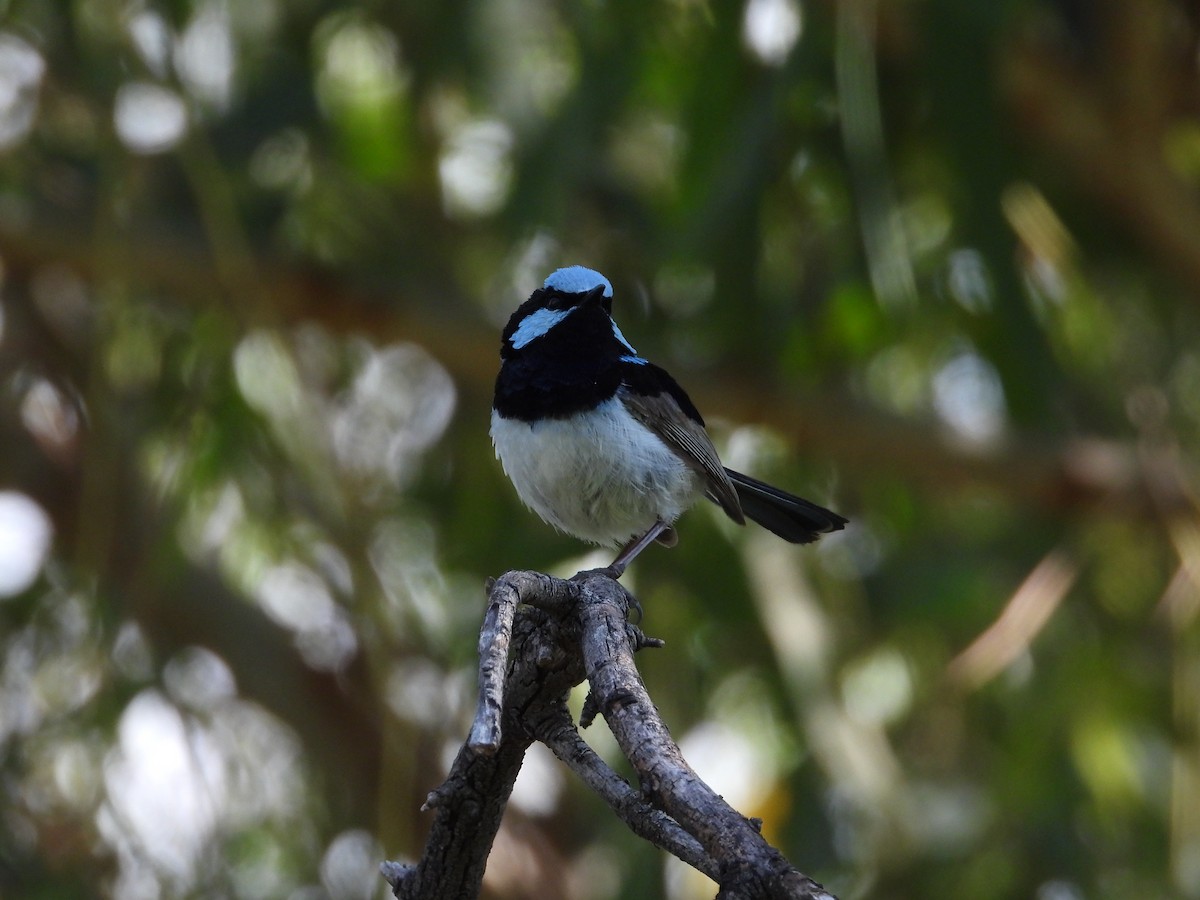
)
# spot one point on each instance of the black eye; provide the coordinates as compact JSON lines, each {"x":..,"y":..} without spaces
{"x":560,"y":301}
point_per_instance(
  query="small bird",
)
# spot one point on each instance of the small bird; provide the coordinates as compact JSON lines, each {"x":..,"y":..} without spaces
{"x":606,"y":446}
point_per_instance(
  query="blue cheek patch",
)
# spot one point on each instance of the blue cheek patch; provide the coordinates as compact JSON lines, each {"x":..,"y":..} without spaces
{"x":636,"y":360}
{"x":536,"y":324}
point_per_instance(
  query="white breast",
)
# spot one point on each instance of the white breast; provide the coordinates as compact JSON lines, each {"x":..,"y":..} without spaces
{"x":601,"y":475}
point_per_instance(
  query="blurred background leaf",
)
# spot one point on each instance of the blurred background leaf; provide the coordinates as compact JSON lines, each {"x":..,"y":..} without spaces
{"x":934,"y":264}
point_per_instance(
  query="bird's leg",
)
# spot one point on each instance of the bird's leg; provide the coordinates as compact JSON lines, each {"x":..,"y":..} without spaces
{"x":636,"y":546}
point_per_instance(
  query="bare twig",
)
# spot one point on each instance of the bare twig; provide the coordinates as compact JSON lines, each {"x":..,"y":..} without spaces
{"x":537,"y":637}
{"x":494,"y":639}
{"x":748,"y":866}
{"x":630,"y":806}
{"x":469,"y":804}
{"x":504,"y":595}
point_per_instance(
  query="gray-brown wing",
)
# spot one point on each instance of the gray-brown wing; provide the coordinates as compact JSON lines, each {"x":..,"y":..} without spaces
{"x":662,"y":415}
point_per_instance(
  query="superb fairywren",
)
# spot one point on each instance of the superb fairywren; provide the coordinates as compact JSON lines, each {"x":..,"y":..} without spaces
{"x":603,"y":444}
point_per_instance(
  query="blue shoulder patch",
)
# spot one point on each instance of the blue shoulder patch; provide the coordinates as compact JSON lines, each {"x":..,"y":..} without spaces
{"x":577,"y":280}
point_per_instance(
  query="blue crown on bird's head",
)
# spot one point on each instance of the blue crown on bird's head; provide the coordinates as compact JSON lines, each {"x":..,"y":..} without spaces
{"x":577,"y":280}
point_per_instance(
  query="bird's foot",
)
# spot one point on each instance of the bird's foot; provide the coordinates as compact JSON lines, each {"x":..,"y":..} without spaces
{"x":614,"y":572}
{"x":611,"y":571}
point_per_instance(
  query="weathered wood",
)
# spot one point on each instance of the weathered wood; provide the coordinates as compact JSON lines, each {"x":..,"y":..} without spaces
{"x":540,"y":637}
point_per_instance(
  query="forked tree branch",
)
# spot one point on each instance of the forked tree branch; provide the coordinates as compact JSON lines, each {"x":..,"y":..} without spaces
{"x":542,"y":636}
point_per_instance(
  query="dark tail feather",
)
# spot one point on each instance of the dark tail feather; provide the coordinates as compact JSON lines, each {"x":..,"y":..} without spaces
{"x":792,"y":518}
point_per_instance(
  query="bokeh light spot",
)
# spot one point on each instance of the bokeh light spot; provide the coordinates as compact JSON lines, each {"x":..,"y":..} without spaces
{"x":21,"y":71}
{"x":476,"y":169}
{"x":205,"y":58}
{"x":969,"y":397}
{"x":149,"y":118}
{"x":25,"y":536}
{"x":771,"y":29}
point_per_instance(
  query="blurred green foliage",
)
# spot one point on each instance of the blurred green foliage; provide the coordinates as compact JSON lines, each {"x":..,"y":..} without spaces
{"x":935,"y":264}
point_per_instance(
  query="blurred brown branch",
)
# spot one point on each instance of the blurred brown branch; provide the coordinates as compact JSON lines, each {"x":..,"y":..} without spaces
{"x":1054,"y":476}
{"x":1023,"y":617}
{"x":1105,"y":124}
